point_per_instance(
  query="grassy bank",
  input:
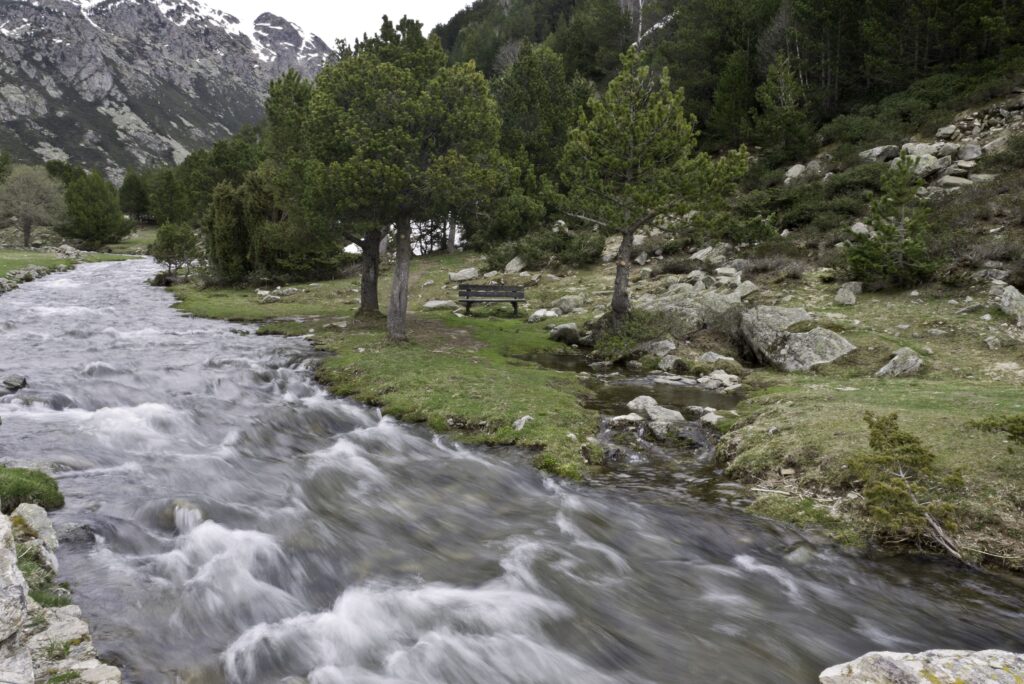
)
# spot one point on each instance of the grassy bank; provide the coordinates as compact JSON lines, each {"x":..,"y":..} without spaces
{"x":800,"y":434}
{"x":460,"y":376}
{"x":15,"y":259}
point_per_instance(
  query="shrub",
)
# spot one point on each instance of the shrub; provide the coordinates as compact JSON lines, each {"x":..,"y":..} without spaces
{"x":617,"y":342}
{"x":94,"y":212}
{"x":906,"y":499}
{"x":175,"y":246}
{"x":1011,"y":425}
{"x":21,"y":485}
{"x":548,"y":248}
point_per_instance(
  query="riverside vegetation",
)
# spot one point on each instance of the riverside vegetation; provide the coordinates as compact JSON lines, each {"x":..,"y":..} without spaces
{"x":552,"y":148}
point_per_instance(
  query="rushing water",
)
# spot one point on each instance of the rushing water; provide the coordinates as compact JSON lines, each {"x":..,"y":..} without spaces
{"x":248,"y":528}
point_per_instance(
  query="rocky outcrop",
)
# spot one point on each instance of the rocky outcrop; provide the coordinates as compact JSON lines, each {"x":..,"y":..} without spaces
{"x":766,"y":332}
{"x":930,"y":667}
{"x":118,"y":84}
{"x":37,"y":643}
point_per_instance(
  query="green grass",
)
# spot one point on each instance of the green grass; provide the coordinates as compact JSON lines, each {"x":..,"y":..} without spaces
{"x":21,"y":485}
{"x":136,"y":243}
{"x":14,"y":260}
{"x":458,"y":375}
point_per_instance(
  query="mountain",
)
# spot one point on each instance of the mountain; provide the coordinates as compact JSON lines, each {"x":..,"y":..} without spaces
{"x":113,"y":84}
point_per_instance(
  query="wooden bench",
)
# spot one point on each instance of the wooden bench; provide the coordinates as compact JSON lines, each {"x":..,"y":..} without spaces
{"x":491,"y":294}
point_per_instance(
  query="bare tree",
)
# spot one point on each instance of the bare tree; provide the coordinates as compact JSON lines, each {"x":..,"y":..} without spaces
{"x":31,"y":195}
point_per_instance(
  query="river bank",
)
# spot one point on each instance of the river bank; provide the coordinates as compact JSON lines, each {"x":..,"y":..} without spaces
{"x":19,"y":266}
{"x":795,"y":433}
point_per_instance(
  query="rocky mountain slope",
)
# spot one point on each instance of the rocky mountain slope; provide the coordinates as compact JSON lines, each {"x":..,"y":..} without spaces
{"x":119,"y":83}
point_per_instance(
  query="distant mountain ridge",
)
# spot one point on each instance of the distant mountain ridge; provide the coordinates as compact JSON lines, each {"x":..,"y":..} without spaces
{"x":114,"y":84}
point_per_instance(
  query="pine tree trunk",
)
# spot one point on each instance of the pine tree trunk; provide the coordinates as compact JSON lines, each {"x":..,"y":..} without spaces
{"x":26,"y":232}
{"x":369,"y":301}
{"x":400,"y":285}
{"x":620,"y":296}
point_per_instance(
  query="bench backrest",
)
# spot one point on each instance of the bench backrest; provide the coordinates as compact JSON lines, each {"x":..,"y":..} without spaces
{"x":467,"y":291}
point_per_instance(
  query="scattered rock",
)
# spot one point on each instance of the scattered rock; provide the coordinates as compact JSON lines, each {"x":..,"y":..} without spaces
{"x":882,"y":153}
{"x":628,"y":419}
{"x":669,"y":363}
{"x":649,"y":408}
{"x":464,"y":275}
{"x":793,"y":173}
{"x":660,"y":348}
{"x":566,"y":305}
{"x":904,"y":362}
{"x":520,"y":424}
{"x":439,"y":304}
{"x":847,"y":294}
{"x":541,"y":314}
{"x":1011,"y":302}
{"x":517,"y":265}
{"x":566,"y":333}
{"x":968,"y":667}
{"x":268,"y":299}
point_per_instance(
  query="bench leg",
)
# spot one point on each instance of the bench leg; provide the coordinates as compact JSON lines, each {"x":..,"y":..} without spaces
{"x":468,"y":305}
{"x":515,"y":308}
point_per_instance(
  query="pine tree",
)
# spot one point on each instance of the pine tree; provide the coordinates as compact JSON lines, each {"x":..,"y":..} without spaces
{"x":634,"y":160}
{"x":134,"y":196}
{"x":895,"y":255}
{"x":782,"y":127}
{"x":729,"y":122}
{"x":94,"y":213}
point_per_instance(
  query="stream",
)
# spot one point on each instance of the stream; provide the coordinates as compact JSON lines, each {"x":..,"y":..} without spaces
{"x":228,"y":521}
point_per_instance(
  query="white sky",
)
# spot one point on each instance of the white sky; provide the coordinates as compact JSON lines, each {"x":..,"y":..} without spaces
{"x":333,"y":19}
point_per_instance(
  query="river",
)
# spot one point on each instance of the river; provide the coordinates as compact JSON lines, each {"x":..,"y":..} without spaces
{"x":246,"y":527}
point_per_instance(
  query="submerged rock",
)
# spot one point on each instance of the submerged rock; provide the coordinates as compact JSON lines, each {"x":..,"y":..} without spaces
{"x":930,"y":667}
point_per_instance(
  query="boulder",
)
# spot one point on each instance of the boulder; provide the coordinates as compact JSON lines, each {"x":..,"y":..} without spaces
{"x":947,"y":132}
{"x":566,"y":305}
{"x":904,"y":361}
{"x":464,"y":275}
{"x":1012,"y":304}
{"x":928,"y":165}
{"x":439,"y":304}
{"x":517,"y":265}
{"x":268,"y":299}
{"x":861,"y":228}
{"x":794,"y":172}
{"x":713,"y":358}
{"x":745,"y":289}
{"x":14,"y":597}
{"x":649,"y":408}
{"x":846,"y":296}
{"x":920,"y":149}
{"x":883,"y":153}
{"x":567,"y":333}
{"x":660,"y":348}
{"x":952,"y":182}
{"x":14,"y":383}
{"x":541,"y":315}
{"x":964,"y":667}
{"x":669,"y":363}
{"x":33,"y":521}
{"x":969,"y":152}
{"x":765,"y":329}
{"x":1000,"y":144}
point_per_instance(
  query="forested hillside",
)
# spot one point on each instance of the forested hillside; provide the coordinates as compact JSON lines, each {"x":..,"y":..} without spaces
{"x":847,"y":55}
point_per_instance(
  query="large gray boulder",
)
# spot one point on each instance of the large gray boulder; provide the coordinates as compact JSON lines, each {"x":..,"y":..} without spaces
{"x":1012,"y":304}
{"x":947,"y":667}
{"x":904,"y":361}
{"x":13,"y":589}
{"x":517,"y":265}
{"x":766,"y":331}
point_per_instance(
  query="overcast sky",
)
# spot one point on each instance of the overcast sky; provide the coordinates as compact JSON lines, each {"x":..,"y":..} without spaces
{"x":343,"y":18}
